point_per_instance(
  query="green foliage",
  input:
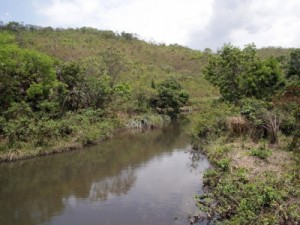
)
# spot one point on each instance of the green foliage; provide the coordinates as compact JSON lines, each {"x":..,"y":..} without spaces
{"x":113,"y":64}
{"x":264,"y":118}
{"x":17,"y":110}
{"x":288,"y":124}
{"x":26,"y":75}
{"x":251,"y":108}
{"x":56,"y":75}
{"x":210,"y":122}
{"x":122,"y":91}
{"x":294,"y":65}
{"x":18,"y":129}
{"x":170,"y":97}
{"x":7,"y":38}
{"x":240,"y":73}
{"x":223,"y":164}
{"x":235,"y":200}
{"x":262,"y":81}
{"x":71,"y":74}
{"x":97,"y":92}
{"x":2,"y":124}
{"x":262,"y":152}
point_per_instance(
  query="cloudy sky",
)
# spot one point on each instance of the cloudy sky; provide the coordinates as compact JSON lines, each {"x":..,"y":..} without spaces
{"x":197,"y":24}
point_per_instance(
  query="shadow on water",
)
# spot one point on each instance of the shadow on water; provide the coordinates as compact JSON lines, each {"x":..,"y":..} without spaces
{"x":89,"y":186}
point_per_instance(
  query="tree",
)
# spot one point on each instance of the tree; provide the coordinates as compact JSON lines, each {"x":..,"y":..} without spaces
{"x":240,"y":73}
{"x":223,"y":71}
{"x":25,"y":75}
{"x":14,"y":26}
{"x":294,"y":64}
{"x":97,"y":92}
{"x":170,"y":97}
{"x":71,"y":75}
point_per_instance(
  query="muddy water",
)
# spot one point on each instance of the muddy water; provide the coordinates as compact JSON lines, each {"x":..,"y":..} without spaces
{"x":143,"y":178}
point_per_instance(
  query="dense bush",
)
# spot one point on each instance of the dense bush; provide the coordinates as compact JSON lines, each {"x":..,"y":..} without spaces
{"x":211,"y":121}
{"x":170,"y":97}
{"x":240,"y":73}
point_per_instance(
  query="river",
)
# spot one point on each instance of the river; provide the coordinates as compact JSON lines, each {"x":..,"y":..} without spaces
{"x":145,"y":178}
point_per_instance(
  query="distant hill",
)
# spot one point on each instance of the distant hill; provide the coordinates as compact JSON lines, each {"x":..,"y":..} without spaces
{"x":276,"y":52}
{"x":144,"y":62}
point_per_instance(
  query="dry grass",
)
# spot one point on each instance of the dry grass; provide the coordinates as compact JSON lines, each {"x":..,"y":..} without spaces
{"x":277,"y":163}
{"x":32,"y":151}
{"x":237,"y":125}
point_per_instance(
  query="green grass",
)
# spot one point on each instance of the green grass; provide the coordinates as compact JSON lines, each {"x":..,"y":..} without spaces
{"x":261,"y":152}
{"x":239,"y":188}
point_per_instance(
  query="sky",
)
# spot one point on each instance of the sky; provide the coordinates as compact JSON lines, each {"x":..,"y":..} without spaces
{"x":197,"y":24}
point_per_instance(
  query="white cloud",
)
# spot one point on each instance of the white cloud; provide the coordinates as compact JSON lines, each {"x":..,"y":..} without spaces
{"x":196,"y":23}
{"x":73,"y":13}
{"x":277,"y":24}
{"x":266,"y":23}
{"x":167,"y":21}
{"x":5,"y":17}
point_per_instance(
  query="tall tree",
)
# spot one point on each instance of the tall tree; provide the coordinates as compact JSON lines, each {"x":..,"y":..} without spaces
{"x":240,"y":73}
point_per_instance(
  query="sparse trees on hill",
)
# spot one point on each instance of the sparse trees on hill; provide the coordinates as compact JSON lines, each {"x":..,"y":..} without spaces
{"x":114,"y":64}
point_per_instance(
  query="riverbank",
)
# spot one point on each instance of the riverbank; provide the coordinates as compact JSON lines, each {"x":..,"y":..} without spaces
{"x":251,"y":181}
{"x":75,"y":132}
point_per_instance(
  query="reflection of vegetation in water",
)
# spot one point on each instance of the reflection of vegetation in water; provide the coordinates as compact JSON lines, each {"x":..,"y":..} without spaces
{"x":118,"y":185}
{"x":195,"y":160}
{"x":32,"y":191}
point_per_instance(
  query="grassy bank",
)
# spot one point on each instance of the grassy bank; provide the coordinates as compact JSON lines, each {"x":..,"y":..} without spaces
{"x":74,"y":131}
{"x":251,"y":181}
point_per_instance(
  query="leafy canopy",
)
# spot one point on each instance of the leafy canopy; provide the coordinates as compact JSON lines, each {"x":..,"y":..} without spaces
{"x":240,"y":73}
{"x":170,"y":97}
{"x":25,"y":75}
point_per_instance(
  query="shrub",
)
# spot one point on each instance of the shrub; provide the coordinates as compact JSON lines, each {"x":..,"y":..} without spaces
{"x":261,"y":152}
{"x":264,"y":119}
{"x":2,"y":124}
{"x":235,"y":200}
{"x":19,"y":129}
{"x":210,"y":122}
{"x":288,"y":125}
{"x":170,"y":97}
{"x":223,"y":164}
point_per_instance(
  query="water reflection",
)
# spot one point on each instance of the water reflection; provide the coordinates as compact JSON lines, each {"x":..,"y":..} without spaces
{"x":131,"y":173}
{"x":117,"y":185}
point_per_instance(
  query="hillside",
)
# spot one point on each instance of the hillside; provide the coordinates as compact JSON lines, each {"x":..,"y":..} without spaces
{"x":143,"y":61}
